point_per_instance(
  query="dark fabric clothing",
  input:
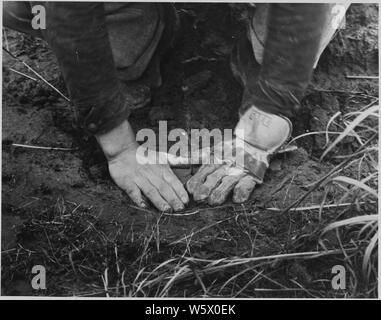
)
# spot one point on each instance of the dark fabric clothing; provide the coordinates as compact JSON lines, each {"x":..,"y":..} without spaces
{"x":78,"y":34}
{"x":294,"y":33}
{"x":97,"y":46}
{"x":18,"y":16}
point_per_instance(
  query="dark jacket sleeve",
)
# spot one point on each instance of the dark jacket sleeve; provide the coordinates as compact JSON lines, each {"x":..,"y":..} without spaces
{"x":77,"y":34}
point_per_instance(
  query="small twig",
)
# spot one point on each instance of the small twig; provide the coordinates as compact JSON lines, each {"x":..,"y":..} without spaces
{"x":23,"y":74}
{"x":9,"y":250}
{"x":29,"y":203}
{"x":315,"y":207}
{"x":193,"y":212}
{"x":182,"y":214}
{"x":363,"y":77}
{"x":42,"y":148}
{"x":37,"y":74}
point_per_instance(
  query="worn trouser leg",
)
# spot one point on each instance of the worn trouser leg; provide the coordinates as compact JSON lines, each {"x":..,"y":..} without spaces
{"x":134,"y":30}
{"x":258,"y":28}
{"x":287,"y":40}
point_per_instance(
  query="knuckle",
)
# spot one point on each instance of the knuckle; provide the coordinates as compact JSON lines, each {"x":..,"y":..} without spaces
{"x":150,"y":192}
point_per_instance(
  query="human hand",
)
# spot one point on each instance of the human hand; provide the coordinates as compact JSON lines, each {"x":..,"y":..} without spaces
{"x":138,"y":176}
{"x":240,"y":164}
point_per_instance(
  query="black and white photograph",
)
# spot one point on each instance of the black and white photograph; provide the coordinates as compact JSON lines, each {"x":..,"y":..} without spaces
{"x":195,"y":150}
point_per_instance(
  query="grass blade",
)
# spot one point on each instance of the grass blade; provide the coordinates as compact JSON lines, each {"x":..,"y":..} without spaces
{"x":351,"y":126}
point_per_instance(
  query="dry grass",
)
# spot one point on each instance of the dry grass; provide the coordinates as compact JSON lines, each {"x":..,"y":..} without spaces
{"x":78,"y":250}
{"x":249,"y":252}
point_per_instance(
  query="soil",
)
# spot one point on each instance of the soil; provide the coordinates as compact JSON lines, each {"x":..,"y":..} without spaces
{"x":42,"y":188}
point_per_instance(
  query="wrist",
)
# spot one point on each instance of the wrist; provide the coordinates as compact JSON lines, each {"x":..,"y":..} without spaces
{"x":117,"y":140}
{"x":263,"y":130}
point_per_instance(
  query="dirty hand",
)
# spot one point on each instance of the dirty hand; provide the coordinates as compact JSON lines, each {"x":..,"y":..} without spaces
{"x":240,"y":165}
{"x":137,"y":178}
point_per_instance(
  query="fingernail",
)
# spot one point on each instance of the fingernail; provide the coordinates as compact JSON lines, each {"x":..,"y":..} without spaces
{"x":184,"y":199}
{"x":200,"y":197}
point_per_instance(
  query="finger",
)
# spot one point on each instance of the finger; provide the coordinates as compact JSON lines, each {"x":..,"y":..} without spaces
{"x":152,"y":194}
{"x":135,"y":195}
{"x":200,"y":176}
{"x":203,"y":190}
{"x":176,"y":184}
{"x":220,"y":194}
{"x":196,"y":157}
{"x":243,"y":189}
{"x":174,"y":160}
{"x":166,"y":191}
